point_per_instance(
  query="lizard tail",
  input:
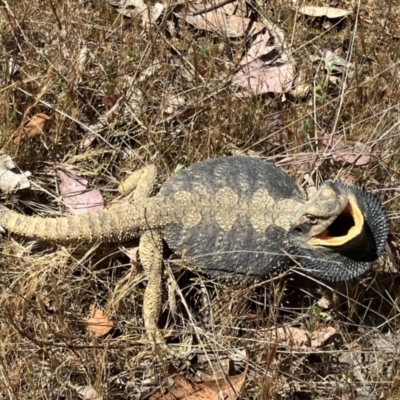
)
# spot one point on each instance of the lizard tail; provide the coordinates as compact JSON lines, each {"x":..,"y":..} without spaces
{"x":115,"y":224}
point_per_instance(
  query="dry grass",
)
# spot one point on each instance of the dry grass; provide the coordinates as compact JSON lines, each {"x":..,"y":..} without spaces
{"x":46,"y":351}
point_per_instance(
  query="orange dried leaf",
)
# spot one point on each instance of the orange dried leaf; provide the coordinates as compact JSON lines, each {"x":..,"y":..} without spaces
{"x":98,"y":322}
{"x":37,"y":125}
{"x":228,"y":388}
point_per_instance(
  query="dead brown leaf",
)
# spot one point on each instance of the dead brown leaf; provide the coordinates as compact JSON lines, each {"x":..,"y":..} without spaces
{"x":258,"y":49}
{"x":77,"y":197}
{"x":302,"y":339}
{"x":228,"y":388}
{"x":37,"y":125}
{"x":98,"y":322}
{"x":329,"y":12}
{"x":257,"y":78}
{"x":260,"y":72}
{"x":351,"y":152}
{"x":219,"y":22}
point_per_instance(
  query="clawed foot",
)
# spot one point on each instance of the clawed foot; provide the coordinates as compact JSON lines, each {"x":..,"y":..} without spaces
{"x":160,"y":345}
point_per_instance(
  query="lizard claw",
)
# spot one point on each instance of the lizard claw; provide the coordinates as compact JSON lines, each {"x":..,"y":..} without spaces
{"x":160,"y":344}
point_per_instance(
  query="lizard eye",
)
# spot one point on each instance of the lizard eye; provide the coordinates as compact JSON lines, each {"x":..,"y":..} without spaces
{"x":312,"y":219}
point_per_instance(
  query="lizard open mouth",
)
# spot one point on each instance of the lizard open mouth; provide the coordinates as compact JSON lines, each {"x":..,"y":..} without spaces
{"x":344,"y":228}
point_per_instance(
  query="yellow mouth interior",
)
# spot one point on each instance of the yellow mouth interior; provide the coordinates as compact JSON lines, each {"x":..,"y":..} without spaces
{"x":344,"y":228}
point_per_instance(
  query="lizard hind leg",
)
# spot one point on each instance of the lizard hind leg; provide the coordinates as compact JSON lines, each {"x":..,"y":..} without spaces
{"x":141,"y":185}
{"x":150,"y":250}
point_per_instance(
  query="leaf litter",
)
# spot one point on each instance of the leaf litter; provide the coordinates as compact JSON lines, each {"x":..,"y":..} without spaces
{"x":301,"y":339}
{"x":98,"y":322}
{"x":38,"y":124}
{"x":350,"y":152}
{"x":256,"y":75}
{"x":266,"y":68}
{"x":77,"y":197}
{"x":329,"y":12}
{"x":229,"y":25}
{"x":228,"y":388}
{"x":139,"y":9}
{"x":11,"y":177}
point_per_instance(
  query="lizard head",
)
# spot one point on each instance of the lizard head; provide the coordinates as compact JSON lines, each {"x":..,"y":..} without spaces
{"x":339,"y":231}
